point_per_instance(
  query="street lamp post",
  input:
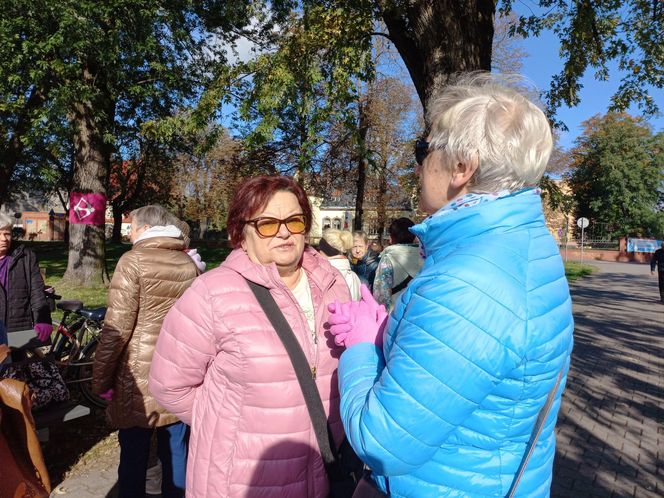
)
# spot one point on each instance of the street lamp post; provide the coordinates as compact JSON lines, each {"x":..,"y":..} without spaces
{"x":582,"y":224}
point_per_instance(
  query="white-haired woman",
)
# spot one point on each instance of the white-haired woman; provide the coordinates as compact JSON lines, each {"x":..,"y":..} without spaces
{"x":335,"y":246}
{"x":481,"y":335}
{"x":23,"y":303}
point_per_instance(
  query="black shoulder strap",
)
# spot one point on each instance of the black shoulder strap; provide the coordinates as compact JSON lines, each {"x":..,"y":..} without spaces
{"x":304,"y":375}
{"x":404,"y":283}
{"x":535,"y":434}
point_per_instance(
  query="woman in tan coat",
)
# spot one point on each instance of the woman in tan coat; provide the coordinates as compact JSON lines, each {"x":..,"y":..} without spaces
{"x":146,"y":283}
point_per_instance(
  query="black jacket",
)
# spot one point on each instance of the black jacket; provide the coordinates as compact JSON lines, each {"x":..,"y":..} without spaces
{"x":25,"y":303}
{"x":657,"y":259}
{"x":365,"y":268}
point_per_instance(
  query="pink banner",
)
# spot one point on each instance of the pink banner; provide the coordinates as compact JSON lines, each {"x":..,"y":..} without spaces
{"x":87,"y":209}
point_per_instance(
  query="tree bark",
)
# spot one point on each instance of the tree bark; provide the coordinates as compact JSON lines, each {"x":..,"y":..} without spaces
{"x":117,"y":223}
{"x":362,"y":164}
{"x":86,"y":265}
{"x":438,"y":38}
{"x":381,"y":202}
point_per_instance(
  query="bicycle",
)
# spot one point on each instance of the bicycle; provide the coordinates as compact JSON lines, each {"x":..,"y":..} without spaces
{"x":74,"y":344}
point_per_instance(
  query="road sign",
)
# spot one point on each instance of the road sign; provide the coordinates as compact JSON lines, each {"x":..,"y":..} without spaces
{"x":582,"y":222}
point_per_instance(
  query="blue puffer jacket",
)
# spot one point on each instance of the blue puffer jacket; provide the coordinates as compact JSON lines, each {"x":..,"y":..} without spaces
{"x":471,"y":352}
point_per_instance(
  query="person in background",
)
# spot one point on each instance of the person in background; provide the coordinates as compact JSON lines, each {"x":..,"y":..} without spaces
{"x":657,"y":260}
{"x":183,"y":226}
{"x":221,"y":367}
{"x":445,"y":401}
{"x":399,"y":263}
{"x":335,"y":245}
{"x":363,"y":260}
{"x":376,"y":246}
{"x":23,"y":303}
{"x":147,"y":281}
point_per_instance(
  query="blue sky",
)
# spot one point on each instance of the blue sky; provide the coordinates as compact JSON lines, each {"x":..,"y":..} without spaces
{"x":544,"y":61}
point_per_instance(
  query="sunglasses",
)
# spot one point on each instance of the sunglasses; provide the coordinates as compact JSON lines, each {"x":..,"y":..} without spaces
{"x":421,"y":151}
{"x":269,"y":227}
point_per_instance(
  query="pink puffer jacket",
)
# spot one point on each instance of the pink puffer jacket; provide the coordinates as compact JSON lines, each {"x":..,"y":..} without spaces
{"x":220,"y":367}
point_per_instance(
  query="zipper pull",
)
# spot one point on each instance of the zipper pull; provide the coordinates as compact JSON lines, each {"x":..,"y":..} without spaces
{"x":313,"y":373}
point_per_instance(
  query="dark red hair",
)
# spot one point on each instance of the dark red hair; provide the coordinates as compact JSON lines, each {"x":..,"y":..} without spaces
{"x":253,"y":195}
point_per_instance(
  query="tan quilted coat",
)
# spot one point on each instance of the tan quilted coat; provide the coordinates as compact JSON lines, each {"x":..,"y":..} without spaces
{"x":146,"y":283}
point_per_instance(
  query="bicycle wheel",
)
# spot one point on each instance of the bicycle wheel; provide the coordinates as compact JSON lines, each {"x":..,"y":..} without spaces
{"x":84,"y":375}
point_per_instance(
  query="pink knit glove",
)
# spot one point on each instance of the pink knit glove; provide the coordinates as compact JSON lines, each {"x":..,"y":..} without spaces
{"x":108,"y":395}
{"x":198,"y":261}
{"x":358,"y":321}
{"x":43,"y":331}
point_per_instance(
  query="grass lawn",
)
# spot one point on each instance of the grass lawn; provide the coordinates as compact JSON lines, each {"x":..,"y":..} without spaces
{"x":575,"y":270}
{"x":53,"y":257}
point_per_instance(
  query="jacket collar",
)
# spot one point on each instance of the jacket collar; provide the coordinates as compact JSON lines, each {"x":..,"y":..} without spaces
{"x":517,"y":211}
{"x":16,"y":251}
{"x":161,"y":243}
{"x":319,"y":271}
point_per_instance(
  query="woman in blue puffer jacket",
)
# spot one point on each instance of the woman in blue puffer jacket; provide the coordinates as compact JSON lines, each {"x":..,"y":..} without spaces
{"x":474,"y":346}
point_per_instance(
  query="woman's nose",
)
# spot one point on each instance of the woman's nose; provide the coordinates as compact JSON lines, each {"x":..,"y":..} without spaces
{"x":283,"y":232}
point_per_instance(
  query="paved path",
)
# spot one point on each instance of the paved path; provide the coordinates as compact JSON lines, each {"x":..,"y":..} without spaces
{"x":611,"y":423}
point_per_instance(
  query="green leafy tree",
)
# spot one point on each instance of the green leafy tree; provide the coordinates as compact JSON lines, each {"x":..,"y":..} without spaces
{"x":107,"y":69}
{"x":617,"y":175}
{"x":438,"y":38}
{"x":306,"y":84}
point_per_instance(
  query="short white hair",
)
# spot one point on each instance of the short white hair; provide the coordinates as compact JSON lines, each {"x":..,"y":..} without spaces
{"x":5,"y":222}
{"x":341,"y":240}
{"x":485,"y":120}
{"x":153,"y":215}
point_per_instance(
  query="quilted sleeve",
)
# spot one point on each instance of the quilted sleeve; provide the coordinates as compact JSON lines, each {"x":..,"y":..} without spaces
{"x":439,"y":366}
{"x":185,"y":349}
{"x":119,"y":323}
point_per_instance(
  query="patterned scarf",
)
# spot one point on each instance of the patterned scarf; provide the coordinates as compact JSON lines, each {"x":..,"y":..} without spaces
{"x":472,"y":199}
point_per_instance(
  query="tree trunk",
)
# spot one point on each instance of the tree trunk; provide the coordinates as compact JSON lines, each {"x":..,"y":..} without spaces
{"x":381,"y":202}
{"x":362,"y":165}
{"x":117,"y":223}
{"x":438,"y":38}
{"x":87,"y":266}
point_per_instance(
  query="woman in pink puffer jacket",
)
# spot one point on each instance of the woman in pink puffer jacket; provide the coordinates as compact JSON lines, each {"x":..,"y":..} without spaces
{"x":220,"y":366}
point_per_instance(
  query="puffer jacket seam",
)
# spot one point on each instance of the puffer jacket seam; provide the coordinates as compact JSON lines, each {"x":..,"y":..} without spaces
{"x":524,"y":361}
{"x":552,"y":308}
{"x":385,"y":410}
{"x":435,"y":378}
{"x":137,"y":344}
{"x":242,"y":404}
{"x":485,"y":332}
{"x":454,"y":277}
{"x":544,"y":284}
{"x":468,"y":360}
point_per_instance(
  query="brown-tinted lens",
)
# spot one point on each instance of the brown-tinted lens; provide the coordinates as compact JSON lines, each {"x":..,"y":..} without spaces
{"x":267,"y":227}
{"x":296,"y":224}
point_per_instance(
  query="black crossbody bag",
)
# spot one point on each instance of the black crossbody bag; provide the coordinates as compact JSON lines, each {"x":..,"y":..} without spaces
{"x":343,"y":467}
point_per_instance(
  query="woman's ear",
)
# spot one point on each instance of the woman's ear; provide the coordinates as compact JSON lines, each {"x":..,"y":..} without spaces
{"x":462,"y":174}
